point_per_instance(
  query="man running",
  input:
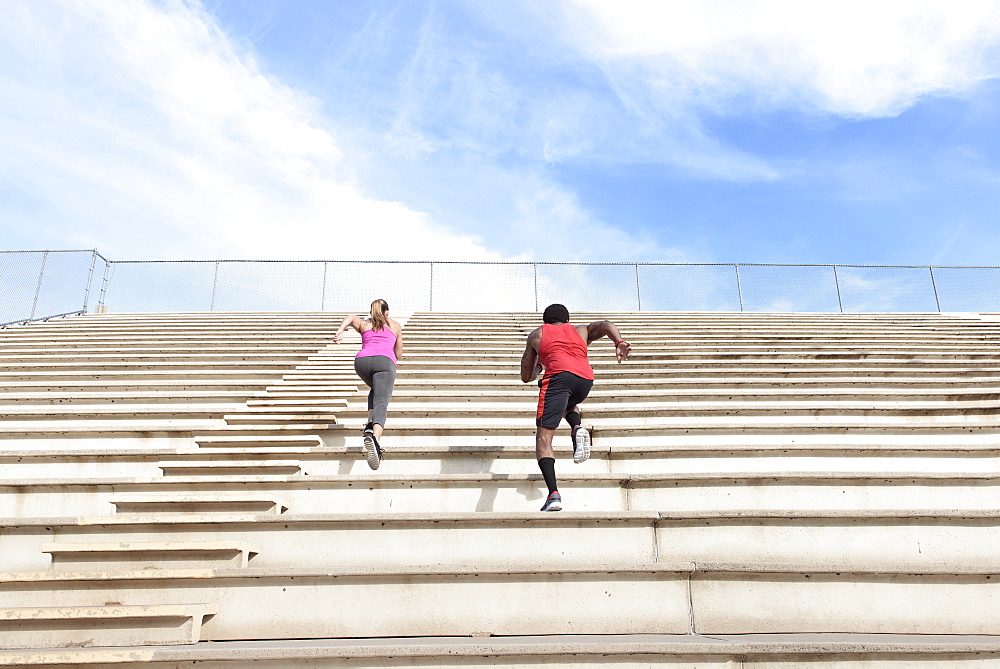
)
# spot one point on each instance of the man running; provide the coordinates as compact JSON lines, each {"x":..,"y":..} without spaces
{"x":561,"y":349}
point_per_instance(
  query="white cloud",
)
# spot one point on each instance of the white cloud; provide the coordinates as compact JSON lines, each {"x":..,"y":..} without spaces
{"x":851,"y":57}
{"x":560,"y":227}
{"x":144,"y":127}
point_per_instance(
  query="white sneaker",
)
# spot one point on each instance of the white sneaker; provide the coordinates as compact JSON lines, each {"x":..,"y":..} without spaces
{"x":374,"y":451}
{"x":581,"y":444}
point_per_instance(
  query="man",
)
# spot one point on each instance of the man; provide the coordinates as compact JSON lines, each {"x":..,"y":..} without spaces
{"x":561,"y":349}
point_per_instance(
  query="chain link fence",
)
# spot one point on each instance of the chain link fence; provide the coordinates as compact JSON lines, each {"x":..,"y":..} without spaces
{"x":45,"y":284}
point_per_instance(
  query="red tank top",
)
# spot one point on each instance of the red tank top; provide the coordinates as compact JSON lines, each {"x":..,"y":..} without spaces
{"x":563,"y":350}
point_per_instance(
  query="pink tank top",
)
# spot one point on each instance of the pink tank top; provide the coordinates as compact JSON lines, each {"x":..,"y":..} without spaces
{"x":378,"y":342}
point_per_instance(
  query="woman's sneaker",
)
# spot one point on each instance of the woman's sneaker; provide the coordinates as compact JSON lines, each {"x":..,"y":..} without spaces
{"x":581,"y":444}
{"x":373,"y":449}
{"x":553,"y":502}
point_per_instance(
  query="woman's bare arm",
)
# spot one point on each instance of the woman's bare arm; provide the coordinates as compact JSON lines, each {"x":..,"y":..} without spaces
{"x":348,"y":322}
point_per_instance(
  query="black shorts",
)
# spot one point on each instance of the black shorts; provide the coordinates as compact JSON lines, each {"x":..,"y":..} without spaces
{"x":558,"y":393}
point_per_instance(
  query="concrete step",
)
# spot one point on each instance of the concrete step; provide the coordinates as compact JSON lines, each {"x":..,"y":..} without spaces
{"x":897,"y":383}
{"x":602,"y":394}
{"x":408,"y":493}
{"x":269,"y":356}
{"x":263,"y":365}
{"x":670,"y":336}
{"x":258,"y":441}
{"x":212,"y":468}
{"x":848,"y":538}
{"x":231,"y":503}
{"x":285,"y":407}
{"x":116,"y":346}
{"x":406,"y":456}
{"x":646,"y":405}
{"x":679,"y":598}
{"x":128,"y":387}
{"x":153,"y":554}
{"x":676,"y":353}
{"x":306,"y":417}
{"x":148,"y":429}
{"x":730,"y":373}
{"x":256,"y":376}
{"x":760,"y":651}
{"x":612,"y":425}
{"x":123,"y":411}
{"x":139,"y":398}
{"x":748,"y":368}
{"x":61,"y":626}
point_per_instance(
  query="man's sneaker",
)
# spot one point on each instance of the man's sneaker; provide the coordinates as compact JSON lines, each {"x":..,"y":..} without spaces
{"x":373,"y":449}
{"x":553,"y":502}
{"x":581,"y":444}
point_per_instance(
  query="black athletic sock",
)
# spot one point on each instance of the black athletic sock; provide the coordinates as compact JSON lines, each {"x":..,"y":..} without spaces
{"x":548,"y":467}
{"x":573,"y":418}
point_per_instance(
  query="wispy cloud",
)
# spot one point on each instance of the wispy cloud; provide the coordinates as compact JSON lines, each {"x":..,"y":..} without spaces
{"x":853,"y":58}
{"x":669,"y":68}
{"x":143,"y":125}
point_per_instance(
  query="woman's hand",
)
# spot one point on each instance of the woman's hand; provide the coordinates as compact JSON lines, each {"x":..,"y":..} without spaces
{"x":622,"y":350}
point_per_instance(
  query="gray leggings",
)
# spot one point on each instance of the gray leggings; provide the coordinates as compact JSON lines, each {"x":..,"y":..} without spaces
{"x":379,"y":373}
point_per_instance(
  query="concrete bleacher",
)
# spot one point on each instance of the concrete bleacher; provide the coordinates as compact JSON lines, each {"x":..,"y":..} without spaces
{"x":763,"y":490}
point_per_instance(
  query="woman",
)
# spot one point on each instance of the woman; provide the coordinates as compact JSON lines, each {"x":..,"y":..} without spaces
{"x":375,"y":363}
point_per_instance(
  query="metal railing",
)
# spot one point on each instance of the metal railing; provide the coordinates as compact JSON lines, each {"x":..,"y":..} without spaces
{"x":36,"y":284}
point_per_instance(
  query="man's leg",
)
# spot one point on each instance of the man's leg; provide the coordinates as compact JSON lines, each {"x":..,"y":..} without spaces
{"x":543,"y":443}
{"x":580,"y":436}
{"x":552,"y":400}
{"x":547,"y":464}
{"x":573,"y":417}
{"x":546,"y":456}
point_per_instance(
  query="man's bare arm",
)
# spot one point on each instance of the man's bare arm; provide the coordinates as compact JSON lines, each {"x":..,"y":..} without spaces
{"x":605,"y":328}
{"x":529,"y":358}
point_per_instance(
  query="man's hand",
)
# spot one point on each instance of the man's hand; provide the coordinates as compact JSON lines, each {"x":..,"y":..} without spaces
{"x":622,"y":350}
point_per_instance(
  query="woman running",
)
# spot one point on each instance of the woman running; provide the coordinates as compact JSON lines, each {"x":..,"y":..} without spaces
{"x":375,"y":363}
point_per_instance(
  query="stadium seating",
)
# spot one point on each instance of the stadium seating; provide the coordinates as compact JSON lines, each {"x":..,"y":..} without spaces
{"x":763,"y":490}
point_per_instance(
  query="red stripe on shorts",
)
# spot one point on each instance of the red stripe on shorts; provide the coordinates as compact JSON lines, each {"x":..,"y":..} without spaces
{"x":541,"y":398}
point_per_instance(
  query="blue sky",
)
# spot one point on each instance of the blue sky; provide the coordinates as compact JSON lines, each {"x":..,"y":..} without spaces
{"x":566,"y":130}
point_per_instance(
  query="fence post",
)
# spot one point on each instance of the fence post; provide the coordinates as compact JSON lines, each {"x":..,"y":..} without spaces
{"x":534,"y":268}
{"x":638,"y":295}
{"x":215,"y":282}
{"x":38,"y":288}
{"x":739,"y":287}
{"x":90,"y":278}
{"x":934,"y":286}
{"x":322,"y":299}
{"x":104,"y":285}
{"x":431,"y":305}
{"x":836,"y":281}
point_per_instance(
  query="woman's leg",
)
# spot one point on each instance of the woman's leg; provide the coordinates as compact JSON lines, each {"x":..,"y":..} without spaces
{"x":365,"y":371}
{"x":382,"y":384}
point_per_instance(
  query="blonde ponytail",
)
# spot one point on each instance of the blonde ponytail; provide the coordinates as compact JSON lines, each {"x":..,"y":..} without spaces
{"x":378,"y":314}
